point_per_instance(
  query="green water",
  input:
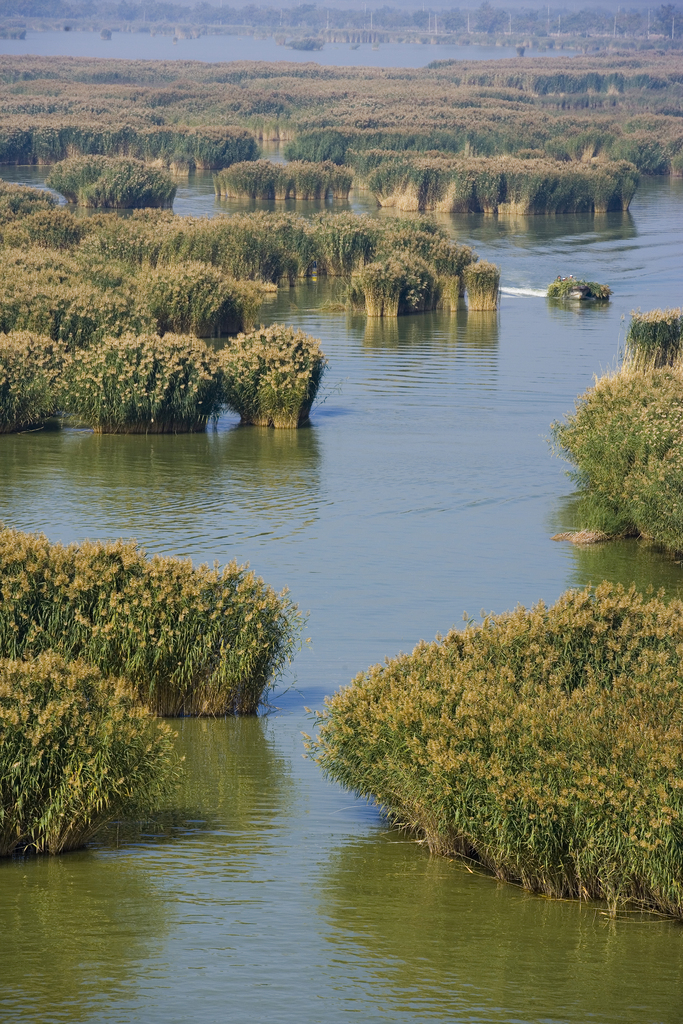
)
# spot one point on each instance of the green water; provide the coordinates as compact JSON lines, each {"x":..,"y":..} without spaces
{"x":423,"y":487}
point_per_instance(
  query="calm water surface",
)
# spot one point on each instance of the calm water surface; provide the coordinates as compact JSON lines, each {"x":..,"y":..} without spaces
{"x":144,"y":46}
{"x":424,"y":487}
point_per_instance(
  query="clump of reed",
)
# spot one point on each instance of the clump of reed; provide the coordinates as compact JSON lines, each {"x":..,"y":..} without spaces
{"x":262,"y":179}
{"x":625,"y":440}
{"x":30,"y":380}
{"x":196,"y":298}
{"x":144,"y":384}
{"x":190,"y":641}
{"x":46,"y":140}
{"x":499,"y":185}
{"x":271,"y":376}
{"x":654,"y":339}
{"x":395,"y":286}
{"x":76,"y":750}
{"x":18,"y":201}
{"x":572,"y":288}
{"x":547,"y":744}
{"x":482,"y":280}
{"x":52,"y":228}
{"x":112,"y":183}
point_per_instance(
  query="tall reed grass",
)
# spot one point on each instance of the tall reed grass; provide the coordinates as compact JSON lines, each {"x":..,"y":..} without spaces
{"x":482,"y":280}
{"x":271,"y":377}
{"x":144,"y":384}
{"x":45,"y":140}
{"x":547,"y":744}
{"x":395,"y":286}
{"x":196,"y":298}
{"x":625,"y":440}
{"x":30,"y":380}
{"x":76,"y":750}
{"x":192,"y":641}
{"x":503,"y":185}
{"x":112,"y":182}
{"x":262,"y":179}
{"x":654,"y":339}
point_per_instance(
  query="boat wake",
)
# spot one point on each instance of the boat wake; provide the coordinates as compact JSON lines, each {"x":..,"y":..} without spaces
{"x":536,"y":293}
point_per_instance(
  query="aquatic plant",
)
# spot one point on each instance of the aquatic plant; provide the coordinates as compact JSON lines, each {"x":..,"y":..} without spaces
{"x":569,"y":287}
{"x":144,"y":384}
{"x":395,"y":286}
{"x":30,"y":375}
{"x":500,"y":185}
{"x":262,"y":179}
{"x":43,"y":139}
{"x":53,"y":228}
{"x":654,"y":338}
{"x":625,"y":440}
{"x":76,"y":750}
{"x":22,"y":201}
{"x":482,"y":280}
{"x":547,"y":744}
{"x":271,"y":376}
{"x":191,"y":641}
{"x":111,"y":182}
{"x":196,"y":298}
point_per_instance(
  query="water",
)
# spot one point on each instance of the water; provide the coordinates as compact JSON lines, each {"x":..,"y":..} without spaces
{"x":424,"y":487}
{"x":144,"y":46}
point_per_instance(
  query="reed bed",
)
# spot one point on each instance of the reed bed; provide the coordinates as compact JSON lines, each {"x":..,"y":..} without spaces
{"x":30,"y":380}
{"x":262,"y":179}
{"x":117,"y":183}
{"x":76,"y":750}
{"x":625,"y":441}
{"x":571,"y":288}
{"x":196,"y":298}
{"x":82,"y":295}
{"x":654,"y":339}
{"x":271,"y":377}
{"x":144,"y":384}
{"x":395,"y":287}
{"x":547,"y":744}
{"x":503,"y":185}
{"x":581,"y":108}
{"x":482,"y":280}
{"x":44,"y":139}
{"x":190,"y":641}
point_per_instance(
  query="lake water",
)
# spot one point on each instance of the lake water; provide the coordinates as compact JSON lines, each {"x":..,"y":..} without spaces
{"x":423,"y":487}
{"x":144,"y":46}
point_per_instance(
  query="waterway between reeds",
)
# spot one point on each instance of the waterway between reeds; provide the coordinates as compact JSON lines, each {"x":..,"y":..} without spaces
{"x":424,"y":487}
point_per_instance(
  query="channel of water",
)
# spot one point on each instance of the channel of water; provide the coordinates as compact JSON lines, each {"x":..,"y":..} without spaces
{"x":423,"y":488}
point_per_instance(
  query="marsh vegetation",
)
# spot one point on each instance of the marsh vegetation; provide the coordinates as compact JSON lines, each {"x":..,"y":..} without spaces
{"x":544,"y":744}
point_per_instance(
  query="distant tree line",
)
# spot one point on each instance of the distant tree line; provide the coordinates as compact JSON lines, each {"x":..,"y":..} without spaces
{"x":665,"y":20}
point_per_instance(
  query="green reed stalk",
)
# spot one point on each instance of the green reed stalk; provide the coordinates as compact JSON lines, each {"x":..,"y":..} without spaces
{"x":546,"y":744}
{"x":144,"y":384}
{"x":654,"y":339}
{"x":112,"y":182}
{"x":625,"y":441}
{"x":271,"y":376}
{"x":31,"y":369}
{"x":482,"y":280}
{"x":191,"y":641}
{"x":76,"y":750}
{"x":262,"y":179}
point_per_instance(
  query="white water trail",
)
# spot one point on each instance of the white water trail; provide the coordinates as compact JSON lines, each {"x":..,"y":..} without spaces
{"x":536,"y":293}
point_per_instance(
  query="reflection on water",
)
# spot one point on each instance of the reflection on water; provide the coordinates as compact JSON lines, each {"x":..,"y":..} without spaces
{"x":440,"y":944}
{"x":235,"y":482}
{"x":78,"y":934}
